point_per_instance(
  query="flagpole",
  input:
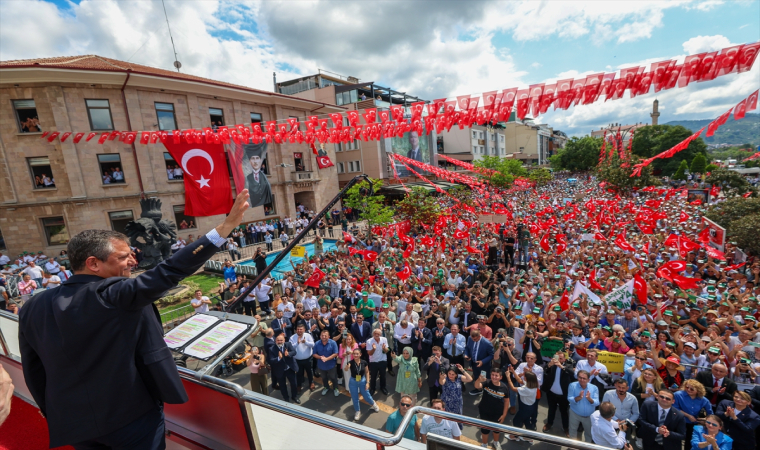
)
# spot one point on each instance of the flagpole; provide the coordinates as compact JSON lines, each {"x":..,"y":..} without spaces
{"x":260,"y":276}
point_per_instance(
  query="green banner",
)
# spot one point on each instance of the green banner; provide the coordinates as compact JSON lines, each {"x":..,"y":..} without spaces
{"x":550,"y":347}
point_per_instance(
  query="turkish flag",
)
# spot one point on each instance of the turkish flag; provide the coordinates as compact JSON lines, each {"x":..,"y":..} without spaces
{"x":315,"y":278}
{"x":561,"y":243}
{"x":623,"y":244}
{"x":207,"y":183}
{"x":714,"y":253}
{"x":404,"y":274}
{"x":685,"y":283}
{"x":740,"y":109}
{"x":459,"y":234}
{"x":369,"y":255}
{"x":323,"y":161}
{"x":751,"y":103}
{"x":564,"y":302}
{"x":683,"y":218}
{"x":592,"y":281}
{"x":640,"y":288}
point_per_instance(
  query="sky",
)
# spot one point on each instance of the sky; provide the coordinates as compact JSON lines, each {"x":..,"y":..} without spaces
{"x":429,"y":49}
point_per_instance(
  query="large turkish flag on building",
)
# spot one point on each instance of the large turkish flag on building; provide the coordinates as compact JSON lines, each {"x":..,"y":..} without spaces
{"x":207,"y":183}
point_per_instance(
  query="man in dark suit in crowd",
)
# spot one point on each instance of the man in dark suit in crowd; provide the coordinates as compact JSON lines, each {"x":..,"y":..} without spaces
{"x":467,"y":318}
{"x":661,"y":426}
{"x":479,"y":352}
{"x":282,"y":360}
{"x":717,"y":385}
{"x":281,"y":325}
{"x":361,"y":331}
{"x":422,"y":341}
{"x":434,"y":366}
{"x":93,"y":353}
{"x":557,"y":378}
{"x":439,"y":332}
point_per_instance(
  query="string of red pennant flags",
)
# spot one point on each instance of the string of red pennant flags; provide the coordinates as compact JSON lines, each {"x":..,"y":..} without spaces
{"x":748,"y":104}
{"x":442,"y":114}
{"x":752,"y":158}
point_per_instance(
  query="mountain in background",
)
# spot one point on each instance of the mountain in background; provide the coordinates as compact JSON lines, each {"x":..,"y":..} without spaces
{"x":734,"y":132}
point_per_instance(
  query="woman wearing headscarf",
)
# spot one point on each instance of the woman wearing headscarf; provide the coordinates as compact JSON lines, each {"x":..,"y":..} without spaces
{"x":408,"y":379}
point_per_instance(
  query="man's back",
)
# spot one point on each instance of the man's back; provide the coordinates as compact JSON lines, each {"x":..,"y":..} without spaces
{"x":93,"y":352}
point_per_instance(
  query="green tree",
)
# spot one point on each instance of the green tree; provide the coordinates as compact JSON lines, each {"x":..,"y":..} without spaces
{"x":699,"y":164}
{"x":618,"y":174}
{"x":655,"y":139}
{"x":540,"y":176}
{"x":505,"y":170}
{"x":371,"y":208}
{"x":681,"y":171}
{"x":710,"y":168}
{"x":741,"y":219}
{"x":578,"y":154}
{"x":731,"y":183}
{"x":419,"y":207}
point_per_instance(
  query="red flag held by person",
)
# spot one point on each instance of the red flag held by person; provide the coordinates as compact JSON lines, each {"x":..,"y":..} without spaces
{"x":207,"y":182}
{"x":683,"y":217}
{"x":640,"y":288}
{"x":315,"y":278}
{"x":405,"y":273}
{"x":564,"y":302}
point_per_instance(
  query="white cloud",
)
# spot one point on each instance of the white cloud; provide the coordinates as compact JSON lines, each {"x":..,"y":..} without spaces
{"x":701,"y":44}
{"x":427,"y":51}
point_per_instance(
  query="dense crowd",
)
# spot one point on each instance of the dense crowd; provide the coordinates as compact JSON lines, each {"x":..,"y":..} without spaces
{"x":518,"y":311}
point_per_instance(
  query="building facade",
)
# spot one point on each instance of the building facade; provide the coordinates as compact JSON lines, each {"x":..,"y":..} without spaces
{"x":49,"y":191}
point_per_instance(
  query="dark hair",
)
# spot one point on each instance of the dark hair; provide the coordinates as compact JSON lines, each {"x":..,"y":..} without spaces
{"x":97,"y":243}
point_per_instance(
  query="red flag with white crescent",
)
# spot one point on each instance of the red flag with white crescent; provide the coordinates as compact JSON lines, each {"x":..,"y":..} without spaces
{"x":404,"y":274}
{"x":683,"y":218}
{"x":315,"y":278}
{"x":640,"y":288}
{"x":207,"y":182}
{"x":323,"y":161}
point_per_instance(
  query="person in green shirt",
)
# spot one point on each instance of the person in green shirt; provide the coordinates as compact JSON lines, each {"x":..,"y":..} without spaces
{"x":366,"y":307}
{"x":394,"y":420}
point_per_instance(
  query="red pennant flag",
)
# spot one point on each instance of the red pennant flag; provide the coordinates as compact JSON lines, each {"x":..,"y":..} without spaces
{"x":347,"y":237}
{"x":740,"y":109}
{"x":747,"y":56}
{"x":714,"y":253}
{"x":315,"y":278}
{"x":545,"y":243}
{"x":78,"y":137}
{"x":751,"y":103}
{"x":747,"y":194}
{"x":352,"y":251}
{"x":207,"y":183}
{"x":103,"y":137}
{"x":65,"y":136}
{"x":564,"y":302}
{"x":734,"y":267}
{"x":640,"y":288}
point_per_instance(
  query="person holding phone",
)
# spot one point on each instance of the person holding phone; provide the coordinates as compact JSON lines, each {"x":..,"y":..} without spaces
{"x":451,"y":382}
{"x":494,"y":403}
{"x":527,"y":400}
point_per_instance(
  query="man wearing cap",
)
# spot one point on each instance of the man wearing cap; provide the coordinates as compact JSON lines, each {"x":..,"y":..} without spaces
{"x":366,"y":307}
{"x":256,"y":181}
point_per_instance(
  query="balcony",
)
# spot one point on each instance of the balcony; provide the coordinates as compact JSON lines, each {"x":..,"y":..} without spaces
{"x":300,"y":177}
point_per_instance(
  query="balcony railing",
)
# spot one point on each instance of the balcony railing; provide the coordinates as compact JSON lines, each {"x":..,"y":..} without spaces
{"x":300,"y":177}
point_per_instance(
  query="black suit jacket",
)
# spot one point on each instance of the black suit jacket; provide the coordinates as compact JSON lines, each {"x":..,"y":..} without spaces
{"x":439,"y":340}
{"x":427,"y":342}
{"x":278,"y":329}
{"x":279,"y":366}
{"x":432,"y":373}
{"x":361,"y":334}
{"x":648,"y":424}
{"x":93,"y":352}
{"x":705,"y":377}
{"x":471,"y":319}
{"x":566,"y":376}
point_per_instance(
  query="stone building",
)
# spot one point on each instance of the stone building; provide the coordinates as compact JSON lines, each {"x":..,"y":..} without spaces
{"x":50,"y":191}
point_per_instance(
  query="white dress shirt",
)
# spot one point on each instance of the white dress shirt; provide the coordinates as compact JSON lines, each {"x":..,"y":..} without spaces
{"x":584,"y":365}
{"x":53,"y":267}
{"x":378,"y":355}
{"x":303,"y":349}
{"x":604,"y":432}
{"x":399,"y":331}
{"x":537,"y":370}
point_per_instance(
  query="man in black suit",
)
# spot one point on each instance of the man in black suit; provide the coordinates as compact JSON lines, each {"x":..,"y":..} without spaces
{"x":467,"y":318}
{"x":434,"y":366}
{"x":422,"y":341}
{"x":717,"y":386}
{"x":282,"y":360}
{"x":557,"y":378}
{"x":280,"y":325}
{"x":94,"y":358}
{"x":439,"y":332}
{"x":661,"y":426}
{"x":361,"y":331}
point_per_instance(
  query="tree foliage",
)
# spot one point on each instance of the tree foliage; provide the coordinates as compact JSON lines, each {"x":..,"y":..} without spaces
{"x":710,"y":168}
{"x":655,"y":139}
{"x":618,"y":175}
{"x":699,"y":163}
{"x":731,"y":183}
{"x":578,"y":154}
{"x":419,"y":207}
{"x":540,"y":176}
{"x":681,"y":171}
{"x":507,"y":169}
{"x":371,"y":208}
{"x":741,"y":219}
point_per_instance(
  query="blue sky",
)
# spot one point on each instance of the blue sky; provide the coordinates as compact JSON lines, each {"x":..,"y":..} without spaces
{"x":431,"y":49}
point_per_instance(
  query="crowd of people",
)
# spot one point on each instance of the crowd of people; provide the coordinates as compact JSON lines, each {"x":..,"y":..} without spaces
{"x":517,"y":315}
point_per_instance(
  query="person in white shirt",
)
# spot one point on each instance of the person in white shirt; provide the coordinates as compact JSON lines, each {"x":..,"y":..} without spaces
{"x":377,"y":348}
{"x":409,"y":315}
{"x":181,"y":243}
{"x":178,"y":173}
{"x":439,"y":426}
{"x":262,"y":296}
{"x":200,"y":302}
{"x":52,"y":266}
{"x":591,"y":366}
{"x":402,"y":332}
{"x":4,"y":259}
{"x":287,"y":308}
{"x":604,"y":430}
{"x":310,"y":302}
{"x":34,"y":271}
{"x":28,"y":258}
{"x":530,"y":366}
{"x":50,"y":281}
{"x":117,"y":175}
{"x":304,"y":345}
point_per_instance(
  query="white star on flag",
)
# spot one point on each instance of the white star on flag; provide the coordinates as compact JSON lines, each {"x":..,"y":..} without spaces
{"x":203,"y":182}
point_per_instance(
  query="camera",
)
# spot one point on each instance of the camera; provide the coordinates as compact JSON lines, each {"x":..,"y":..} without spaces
{"x":499,"y":309}
{"x":629,"y":424}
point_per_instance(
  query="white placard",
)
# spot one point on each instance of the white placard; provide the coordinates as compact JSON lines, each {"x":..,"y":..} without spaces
{"x":215,"y":339}
{"x":189,"y":330}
